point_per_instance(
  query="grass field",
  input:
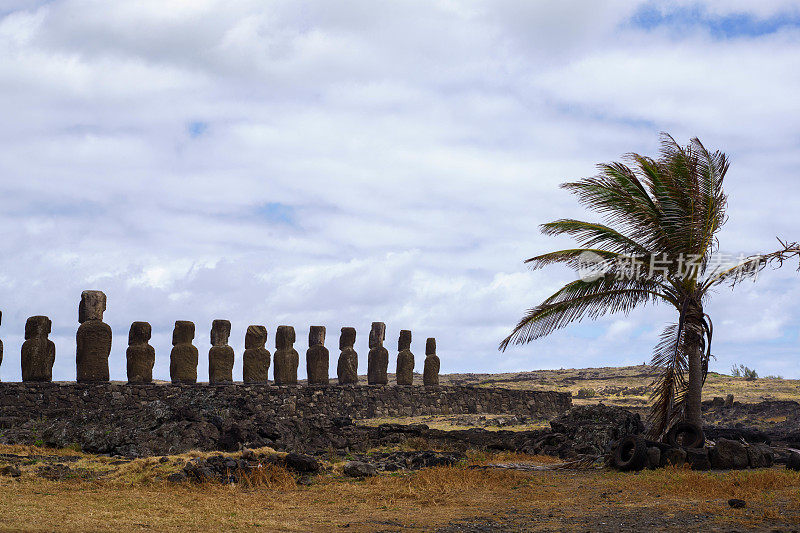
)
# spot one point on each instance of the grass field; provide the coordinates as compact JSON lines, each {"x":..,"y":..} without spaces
{"x":135,"y":496}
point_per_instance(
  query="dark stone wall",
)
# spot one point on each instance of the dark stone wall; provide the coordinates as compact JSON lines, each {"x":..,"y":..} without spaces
{"x":49,"y":400}
{"x":156,"y":419}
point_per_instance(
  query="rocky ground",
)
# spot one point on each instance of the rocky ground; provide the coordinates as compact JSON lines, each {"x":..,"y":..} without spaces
{"x":507,"y":460}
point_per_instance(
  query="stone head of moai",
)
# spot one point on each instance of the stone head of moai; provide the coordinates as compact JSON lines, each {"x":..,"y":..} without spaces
{"x":92,"y":306}
{"x":220,"y":332}
{"x":430,"y":346}
{"x":140,"y":333}
{"x":183,"y":332}
{"x":404,"y":342}
{"x":37,"y":326}
{"x":316,"y":336}
{"x":348,"y":338}
{"x":284,"y":338}
{"x":255,"y":337}
{"x":377,"y":334}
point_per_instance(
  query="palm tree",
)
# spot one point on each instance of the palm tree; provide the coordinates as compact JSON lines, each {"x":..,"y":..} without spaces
{"x":658,"y":244}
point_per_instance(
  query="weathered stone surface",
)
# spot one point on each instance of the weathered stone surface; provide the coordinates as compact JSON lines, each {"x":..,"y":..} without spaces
{"x":93,"y":338}
{"x":430,"y":375}
{"x":286,"y":357}
{"x":1,"y":342}
{"x":92,"y":306}
{"x":220,"y":356}
{"x":183,"y":357}
{"x":317,"y":357}
{"x":728,"y":454}
{"x":158,"y":419}
{"x":378,"y":357}
{"x":256,"y":356}
{"x":405,"y":359}
{"x":140,"y":355}
{"x":729,"y":400}
{"x":673,"y":457}
{"x":359,"y":469}
{"x":38,"y":352}
{"x":597,"y":426}
{"x":698,"y":458}
{"x":653,"y":457}
{"x":760,"y":456}
{"x":347,"y":369}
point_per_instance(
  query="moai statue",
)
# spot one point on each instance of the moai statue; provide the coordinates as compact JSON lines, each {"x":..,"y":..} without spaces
{"x":405,"y":359}
{"x":140,"y":355}
{"x":93,"y":338}
{"x":430,"y":376}
{"x":183,"y":358}
{"x":347,"y":370}
{"x":286,"y":357}
{"x":220,"y":356}
{"x":38,"y":352}
{"x":378,"y":358}
{"x":317,"y":357}
{"x":256,"y":357}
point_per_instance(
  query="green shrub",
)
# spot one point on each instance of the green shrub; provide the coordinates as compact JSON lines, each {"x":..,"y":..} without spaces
{"x":586,"y":393}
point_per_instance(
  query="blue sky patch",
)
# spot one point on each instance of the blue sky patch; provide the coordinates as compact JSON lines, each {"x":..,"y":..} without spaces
{"x":276,"y":212}
{"x":731,"y":26}
{"x":196,"y":128}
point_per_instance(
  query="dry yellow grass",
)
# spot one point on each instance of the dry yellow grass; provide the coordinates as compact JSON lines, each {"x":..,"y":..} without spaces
{"x":133,"y":496}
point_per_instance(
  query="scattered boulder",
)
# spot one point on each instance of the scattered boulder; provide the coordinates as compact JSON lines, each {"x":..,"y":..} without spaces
{"x":729,"y":454}
{"x":729,"y":400}
{"x":359,"y":469}
{"x":302,"y":463}
{"x":793,"y":461}
{"x":698,"y":458}
{"x":653,"y":457}
{"x":10,"y":470}
{"x":177,"y":477}
{"x":673,"y":457}
{"x":760,"y":456}
{"x":736,"y":503}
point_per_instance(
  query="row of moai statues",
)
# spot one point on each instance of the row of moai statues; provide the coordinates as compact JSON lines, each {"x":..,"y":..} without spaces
{"x":94,"y":347}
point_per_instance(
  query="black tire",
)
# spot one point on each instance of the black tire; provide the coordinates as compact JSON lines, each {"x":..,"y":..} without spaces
{"x":686,"y":435}
{"x":630,"y":454}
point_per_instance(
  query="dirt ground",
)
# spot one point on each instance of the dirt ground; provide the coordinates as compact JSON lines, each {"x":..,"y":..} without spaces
{"x":102,"y":494}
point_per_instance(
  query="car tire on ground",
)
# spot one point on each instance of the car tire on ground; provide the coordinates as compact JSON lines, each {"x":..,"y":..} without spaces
{"x":630,"y":453}
{"x":686,"y":435}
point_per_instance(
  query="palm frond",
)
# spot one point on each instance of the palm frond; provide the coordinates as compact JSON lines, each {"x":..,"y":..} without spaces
{"x":582,"y":299}
{"x":750,"y":267}
{"x":669,"y":388}
{"x":591,"y":234}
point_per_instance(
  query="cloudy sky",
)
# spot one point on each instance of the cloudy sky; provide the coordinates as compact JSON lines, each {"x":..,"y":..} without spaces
{"x":336,"y":163}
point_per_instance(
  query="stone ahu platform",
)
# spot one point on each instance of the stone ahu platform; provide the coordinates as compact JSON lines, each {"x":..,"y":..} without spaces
{"x":146,"y":419}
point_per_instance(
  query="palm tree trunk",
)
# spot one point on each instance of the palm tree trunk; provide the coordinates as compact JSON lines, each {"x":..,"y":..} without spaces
{"x":694,"y":343}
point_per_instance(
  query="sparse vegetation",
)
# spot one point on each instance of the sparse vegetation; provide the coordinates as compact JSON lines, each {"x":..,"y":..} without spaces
{"x":586,"y":393}
{"x":742,"y":371}
{"x":134,"y":495}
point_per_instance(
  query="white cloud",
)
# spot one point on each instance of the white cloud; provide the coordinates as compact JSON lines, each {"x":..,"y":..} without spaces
{"x":358,"y":163}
